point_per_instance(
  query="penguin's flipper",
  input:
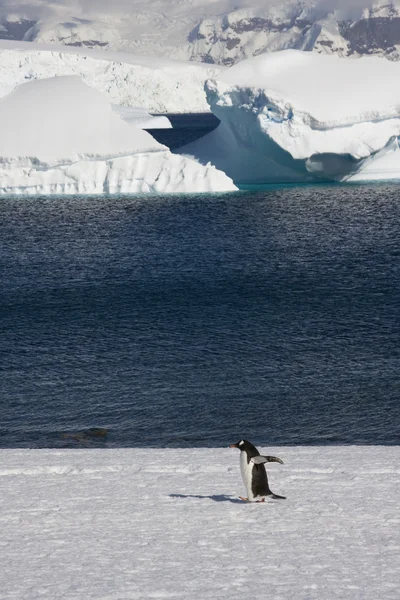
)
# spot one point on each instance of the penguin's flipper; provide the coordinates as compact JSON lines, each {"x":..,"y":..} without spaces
{"x":258,"y":460}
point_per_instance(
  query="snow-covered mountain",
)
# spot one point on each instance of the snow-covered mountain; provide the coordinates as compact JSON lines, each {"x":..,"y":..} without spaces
{"x":214,"y":31}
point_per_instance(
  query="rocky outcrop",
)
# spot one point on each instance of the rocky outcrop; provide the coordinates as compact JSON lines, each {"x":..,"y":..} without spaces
{"x":235,"y":37}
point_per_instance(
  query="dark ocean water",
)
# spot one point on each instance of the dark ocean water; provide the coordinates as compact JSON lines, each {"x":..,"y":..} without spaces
{"x":197,"y":320}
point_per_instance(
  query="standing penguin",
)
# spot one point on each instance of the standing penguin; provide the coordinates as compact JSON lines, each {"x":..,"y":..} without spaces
{"x":253,"y":472}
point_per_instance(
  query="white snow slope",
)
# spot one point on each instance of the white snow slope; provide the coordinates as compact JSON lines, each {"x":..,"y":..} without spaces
{"x":156,"y":84}
{"x":59,"y":135}
{"x":143,"y":524}
{"x":302,"y":117}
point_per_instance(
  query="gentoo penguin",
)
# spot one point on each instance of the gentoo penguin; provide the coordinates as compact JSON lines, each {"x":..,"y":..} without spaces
{"x":253,"y":472}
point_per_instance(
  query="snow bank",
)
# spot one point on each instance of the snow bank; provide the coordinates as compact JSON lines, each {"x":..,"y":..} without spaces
{"x":61,"y":136}
{"x":296,"y":116}
{"x":159,"y":85}
{"x":61,"y":118}
{"x":152,"y":523}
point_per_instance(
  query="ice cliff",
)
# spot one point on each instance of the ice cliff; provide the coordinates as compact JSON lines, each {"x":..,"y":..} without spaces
{"x":158,"y":84}
{"x":293,"y":116}
{"x":59,"y":135}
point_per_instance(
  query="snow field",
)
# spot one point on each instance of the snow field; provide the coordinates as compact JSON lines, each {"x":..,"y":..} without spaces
{"x":167,"y":523}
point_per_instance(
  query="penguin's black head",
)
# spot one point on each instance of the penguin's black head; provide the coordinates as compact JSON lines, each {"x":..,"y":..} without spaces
{"x":243,"y":445}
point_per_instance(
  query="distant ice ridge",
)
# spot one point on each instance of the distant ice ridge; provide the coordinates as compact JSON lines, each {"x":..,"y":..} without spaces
{"x":157,"y":84}
{"x":293,"y":116}
{"x":59,"y":135}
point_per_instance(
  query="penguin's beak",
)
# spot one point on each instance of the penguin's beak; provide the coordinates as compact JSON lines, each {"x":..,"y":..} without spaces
{"x":233,"y":446}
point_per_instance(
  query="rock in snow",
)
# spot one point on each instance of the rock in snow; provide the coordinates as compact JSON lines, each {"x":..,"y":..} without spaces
{"x":61,"y":136}
{"x":294,"y":116}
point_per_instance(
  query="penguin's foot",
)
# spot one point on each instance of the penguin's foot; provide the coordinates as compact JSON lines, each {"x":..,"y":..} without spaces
{"x":247,"y":500}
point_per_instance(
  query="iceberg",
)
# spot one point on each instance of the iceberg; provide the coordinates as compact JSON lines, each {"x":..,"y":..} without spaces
{"x":61,"y":136}
{"x":299,"y":117}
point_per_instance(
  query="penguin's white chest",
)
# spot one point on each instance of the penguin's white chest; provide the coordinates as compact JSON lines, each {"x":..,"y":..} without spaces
{"x":246,"y":470}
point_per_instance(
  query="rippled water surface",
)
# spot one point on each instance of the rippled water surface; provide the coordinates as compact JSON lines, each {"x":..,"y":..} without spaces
{"x":197,"y":320}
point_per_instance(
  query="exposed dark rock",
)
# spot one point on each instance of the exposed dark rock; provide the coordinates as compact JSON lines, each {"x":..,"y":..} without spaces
{"x":195,"y":34}
{"x":369,"y":36}
{"x":232,"y":43}
{"x":87,"y":436}
{"x":255,"y":24}
{"x":228,"y":62}
{"x":205,"y":58}
{"x":86,"y":44}
{"x":258,"y":24}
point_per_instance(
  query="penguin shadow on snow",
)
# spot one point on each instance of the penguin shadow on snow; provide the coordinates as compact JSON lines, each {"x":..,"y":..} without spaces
{"x":215,"y":498}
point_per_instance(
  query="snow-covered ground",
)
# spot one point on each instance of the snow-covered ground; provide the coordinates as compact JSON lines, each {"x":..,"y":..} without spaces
{"x":297,"y":116}
{"x":157,"y":84}
{"x":119,"y":524}
{"x":61,"y":136}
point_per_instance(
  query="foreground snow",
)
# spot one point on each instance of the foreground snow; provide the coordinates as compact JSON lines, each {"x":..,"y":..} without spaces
{"x":157,"y":523}
{"x":62,"y":136}
{"x":301,"y":117}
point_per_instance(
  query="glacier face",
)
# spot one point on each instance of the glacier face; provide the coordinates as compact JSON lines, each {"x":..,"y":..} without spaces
{"x":299,"y":117}
{"x":61,"y":136}
{"x":159,"y":85}
{"x":213,"y":31}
